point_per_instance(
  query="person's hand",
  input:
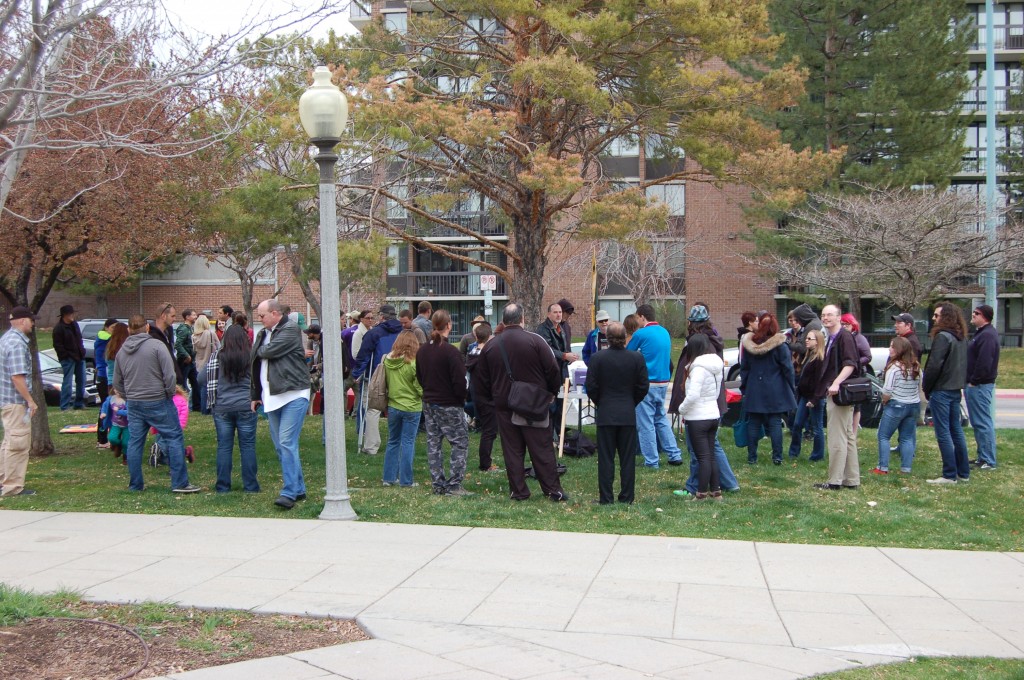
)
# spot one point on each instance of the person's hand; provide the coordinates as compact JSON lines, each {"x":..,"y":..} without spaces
{"x":309,"y":353}
{"x":32,"y":408}
{"x":256,"y":405}
{"x":833,"y":389}
{"x":570,"y":357}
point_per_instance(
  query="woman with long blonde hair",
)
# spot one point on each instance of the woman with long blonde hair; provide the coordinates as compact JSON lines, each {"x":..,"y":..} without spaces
{"x":405,"y":406}
{"x":205,"y":343}
{"x":810,"y":403}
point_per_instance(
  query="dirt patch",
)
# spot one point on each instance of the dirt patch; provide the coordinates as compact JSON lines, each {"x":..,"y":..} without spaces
{"x":144,"y":641}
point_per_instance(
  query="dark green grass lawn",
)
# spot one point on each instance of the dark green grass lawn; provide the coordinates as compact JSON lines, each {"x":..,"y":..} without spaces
{"x":775,"y":503}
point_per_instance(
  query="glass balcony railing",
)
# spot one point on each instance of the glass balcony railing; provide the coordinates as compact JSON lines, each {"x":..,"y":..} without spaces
{"x":1006,"y":99}
{"x":1004,"y":38}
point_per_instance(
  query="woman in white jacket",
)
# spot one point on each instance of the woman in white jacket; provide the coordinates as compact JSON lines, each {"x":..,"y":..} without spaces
{"x":704,"y":374}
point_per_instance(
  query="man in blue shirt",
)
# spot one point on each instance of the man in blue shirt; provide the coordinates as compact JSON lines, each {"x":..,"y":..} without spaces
{"x":16,"y":403}
{"x":652,"y":422}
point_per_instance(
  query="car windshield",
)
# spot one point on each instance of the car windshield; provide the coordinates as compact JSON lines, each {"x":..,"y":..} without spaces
{"x":47,"y":363}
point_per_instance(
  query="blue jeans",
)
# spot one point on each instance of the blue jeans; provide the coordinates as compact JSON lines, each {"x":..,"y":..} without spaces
{"x":726,"y":477}
{"x":772,"y":423}
{"x":945,"y":406}
{"x":72,"y":369}
{"x":285,"y":427}
{"x":979,"y":408}
{"x":227,"y":424}
{"x":897,"y":415}
{"x":812,"y":418}
{"x":162,"y":415}
{"x":204,"y":398}
{"x":398,"y":455}
{"x":654,"y":429}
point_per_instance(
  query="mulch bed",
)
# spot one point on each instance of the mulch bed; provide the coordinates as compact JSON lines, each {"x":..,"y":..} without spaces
{"x":98,"y":647}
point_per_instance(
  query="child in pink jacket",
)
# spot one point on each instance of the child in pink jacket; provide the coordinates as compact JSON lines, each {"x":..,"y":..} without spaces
{"x":180,"y":400}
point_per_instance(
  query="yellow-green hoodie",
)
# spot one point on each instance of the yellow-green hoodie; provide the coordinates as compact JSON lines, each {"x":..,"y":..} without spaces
{"x":404,"y":391}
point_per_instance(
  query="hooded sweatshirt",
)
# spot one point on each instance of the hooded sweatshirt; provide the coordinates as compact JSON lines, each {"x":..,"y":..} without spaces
{"x":100,"y":353}
{"x":404,"y":390}
{"x":144,"y":370}
{"x":808,"y":321}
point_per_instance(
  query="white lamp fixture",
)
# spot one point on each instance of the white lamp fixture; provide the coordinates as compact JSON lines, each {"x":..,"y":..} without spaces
{"x":323,"y":109}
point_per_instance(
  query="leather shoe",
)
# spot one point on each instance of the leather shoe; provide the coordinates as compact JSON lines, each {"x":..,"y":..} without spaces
{"x":284,"y":502}
{"x":828,"y":487}
{"x":559,"y":497}
{"x":676,"y":462}
{"x":301,"y":497}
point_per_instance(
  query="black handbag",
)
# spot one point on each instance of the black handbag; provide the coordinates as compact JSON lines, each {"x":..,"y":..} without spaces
{"x":854,"y":391}
{"x":528,"y":401}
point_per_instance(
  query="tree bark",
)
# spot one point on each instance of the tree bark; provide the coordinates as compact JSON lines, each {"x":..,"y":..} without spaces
{"x":527,"y":284}
{"x":42,"y":442}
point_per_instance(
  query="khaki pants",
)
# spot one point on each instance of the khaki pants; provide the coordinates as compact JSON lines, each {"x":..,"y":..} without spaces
{"x":371,"y":431}
{"x":843,"y":464}
{"x":15,"y":448}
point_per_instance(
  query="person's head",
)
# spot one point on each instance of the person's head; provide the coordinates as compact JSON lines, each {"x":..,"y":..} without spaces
{"x":793,"y":323}
{"x":67,"y":313}
{"x":164,"y":316}
{"x":137,"y":324}
{"x":982,"y":316}
{"x":616,"y":334}
{"x":903,"y":324}
{"x":200,"y":325}
{"x":767,"y":326}
{"x":269,"y":313}
{"x":698,"y":345}
{"x":353,"y":317}
{"x":241,"y":319}
{"x":314,"y":333}
{"x":902,"y":352}
{"x":948,"y":317}
{"x":850,"y":323}
{"x":555,"y":313}
{"x":405,"y":318}
{"x":286,"y":310}
{"x":631,"y":324}
{"x":512,"y":315}
{"x":118,"y":334}
{"x":109,"y":323}
{"x":406,"y":346}
{"x":567,"y":308}
{"x":367,"y":317}
{"x":23,"y":319}
{"x":830,"y":315}
{"x":386,"y":312}
{"x":698,"y":314}
{"x":749,"y":321}
{"x":234,"y":354}
{"x":482,"y":332}
{"x":815,"y":342}
{"x":442,"y":324}
{"x":189,"y":316}
{"x":645,"y":314}
{"x":424,"y":309}
{"x":225,"y":313}
{"x":604,"y":320}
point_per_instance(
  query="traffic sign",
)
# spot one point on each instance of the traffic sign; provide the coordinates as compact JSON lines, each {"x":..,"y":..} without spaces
{"x":488,"y":282}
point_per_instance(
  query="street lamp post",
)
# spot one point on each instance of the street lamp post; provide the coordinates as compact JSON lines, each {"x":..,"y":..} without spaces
{"x":324,"y":112}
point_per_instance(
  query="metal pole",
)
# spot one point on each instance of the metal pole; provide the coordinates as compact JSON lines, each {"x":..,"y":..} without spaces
{"x":337,"y":503}
{"x":990,"y":152}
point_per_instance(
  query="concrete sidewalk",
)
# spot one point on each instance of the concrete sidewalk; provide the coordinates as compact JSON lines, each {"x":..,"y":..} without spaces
{"x":450,"y":602}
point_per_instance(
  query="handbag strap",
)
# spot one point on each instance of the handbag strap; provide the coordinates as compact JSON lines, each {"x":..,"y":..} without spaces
{"x":504,"y":357}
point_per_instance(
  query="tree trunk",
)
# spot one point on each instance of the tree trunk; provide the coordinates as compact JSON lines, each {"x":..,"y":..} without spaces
{"x":527,"y":284}
{"x":42,"y":443}
{"x":101,"y":306}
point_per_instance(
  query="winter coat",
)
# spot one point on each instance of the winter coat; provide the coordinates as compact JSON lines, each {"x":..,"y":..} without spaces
{"x":678,"y":387}
{"x":616,"y":383}
{"x":375,"y":345}
{"x":864,"y":351}
{"x":766,"y":375}
{"x":99,"y":347}
{"x":67,"y":341}
{"x":982,"y":356}
{"x":808,"y":321}
{"x":947,"y":363}
{"x":404,"y":391}
{"x":144,"y":370}
{"x":704,"y":379}
{"x":286,"y":360}
{"x":558,"y":341}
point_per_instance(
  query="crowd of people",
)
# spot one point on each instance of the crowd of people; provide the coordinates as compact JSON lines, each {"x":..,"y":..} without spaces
{"x":510,"y":381}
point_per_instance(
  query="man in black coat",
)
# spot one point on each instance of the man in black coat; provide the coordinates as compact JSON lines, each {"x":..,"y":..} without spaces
{"x":67,"y":343}
{"x":530,"y":360}
{"x":616,"y":383}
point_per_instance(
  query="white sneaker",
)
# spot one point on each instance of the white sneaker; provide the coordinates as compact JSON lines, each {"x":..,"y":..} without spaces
{"x":941,"y":480}
{"x":986,"y":466}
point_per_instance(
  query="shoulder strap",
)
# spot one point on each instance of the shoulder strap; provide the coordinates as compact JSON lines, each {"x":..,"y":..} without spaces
{"x":504,"y":357}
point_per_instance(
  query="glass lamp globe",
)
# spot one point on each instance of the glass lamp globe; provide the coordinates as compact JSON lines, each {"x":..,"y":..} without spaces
{"x":323,"y":109}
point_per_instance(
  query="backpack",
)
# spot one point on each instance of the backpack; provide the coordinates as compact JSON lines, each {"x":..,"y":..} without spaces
{"x":378,"y":396}
{"x":578,"y":445}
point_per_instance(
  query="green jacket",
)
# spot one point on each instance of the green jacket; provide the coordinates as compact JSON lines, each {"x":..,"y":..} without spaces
{"x":183,"y":342}
{"x":404,"y":391}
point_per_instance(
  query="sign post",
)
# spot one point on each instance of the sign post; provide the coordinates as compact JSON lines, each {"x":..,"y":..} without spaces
{"x":488,"y":284}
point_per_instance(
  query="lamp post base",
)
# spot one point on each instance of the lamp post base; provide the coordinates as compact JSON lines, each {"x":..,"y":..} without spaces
{"x":338,"y":508}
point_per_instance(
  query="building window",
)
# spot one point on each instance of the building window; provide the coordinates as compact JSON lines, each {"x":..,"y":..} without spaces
{"x":672,"y":195}
{"x":396,"y":22}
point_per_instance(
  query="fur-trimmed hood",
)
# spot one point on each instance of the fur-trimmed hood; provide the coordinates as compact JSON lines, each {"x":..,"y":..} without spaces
{"x":765,"y":347}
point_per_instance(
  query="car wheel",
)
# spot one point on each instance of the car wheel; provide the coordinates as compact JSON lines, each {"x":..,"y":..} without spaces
{"x":734,"y":374}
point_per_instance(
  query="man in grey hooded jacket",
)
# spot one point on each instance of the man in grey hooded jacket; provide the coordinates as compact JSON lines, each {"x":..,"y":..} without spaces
{"x":144,"y":375}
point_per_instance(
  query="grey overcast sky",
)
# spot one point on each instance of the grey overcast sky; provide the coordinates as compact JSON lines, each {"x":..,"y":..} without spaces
{"x":217,"y":17}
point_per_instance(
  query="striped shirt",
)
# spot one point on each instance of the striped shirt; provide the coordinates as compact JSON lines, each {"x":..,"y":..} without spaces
{"x":903,"y":390}
{"x":15,"y":359}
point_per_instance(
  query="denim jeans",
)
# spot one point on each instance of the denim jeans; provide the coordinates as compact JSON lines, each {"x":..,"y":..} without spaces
{"x":979,"y":408}
{"x":897,"y":415}
{"x":72,"y":369}
{"x":285,"y":427}
{"x":726,"y":477}
{"x":772,"y":423}
{"x":204,"y":398}
{"x":808,"y":418}
{"x":950,"y":434}
{"x":227,"y":424}
{"x":398,"y":455}
{"x":162,"y":415}
{"x":654,"y":429}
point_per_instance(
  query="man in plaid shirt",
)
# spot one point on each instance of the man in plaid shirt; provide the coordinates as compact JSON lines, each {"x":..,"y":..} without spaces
{"x":16,"y":403}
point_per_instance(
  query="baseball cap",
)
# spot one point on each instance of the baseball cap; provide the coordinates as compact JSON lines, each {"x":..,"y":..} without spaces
{"x":22,"y":313}
{"x":387,"y":309}
{"x":603,"y":315}
{"x":354,"y":314}
{"x":904,"y":317}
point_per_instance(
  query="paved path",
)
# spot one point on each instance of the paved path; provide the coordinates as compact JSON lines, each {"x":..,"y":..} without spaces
{"x":451,"y":603}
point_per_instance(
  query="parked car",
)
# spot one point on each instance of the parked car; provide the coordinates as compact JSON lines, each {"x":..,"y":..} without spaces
{"x":52,"y":376}
{"x":731,"y":356}
{"x":90,"y":329}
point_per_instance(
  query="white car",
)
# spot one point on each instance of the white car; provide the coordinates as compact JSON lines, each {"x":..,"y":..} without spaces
{"x":879,"y":357}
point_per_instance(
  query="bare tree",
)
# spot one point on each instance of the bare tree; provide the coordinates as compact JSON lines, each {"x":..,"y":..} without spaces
{"x":907,"y":246}
{"x":646,"y":263}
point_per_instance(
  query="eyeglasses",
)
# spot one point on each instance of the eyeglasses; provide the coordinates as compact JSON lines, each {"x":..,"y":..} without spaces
{"x":604,"y":321}
{"x":975,"y":313}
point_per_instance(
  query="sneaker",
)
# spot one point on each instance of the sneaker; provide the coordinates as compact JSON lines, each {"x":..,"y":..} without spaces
{"x":975,"y":463}
{"x":154,"y":453}
{"x":190,"y":454}
{"x":677,"y":461}
{"x":682,"y":493}
{"x":459,"y":491}
{"x":986,"y":466}
{"x":559,"y":497}
{"x":188,"y":488}
{"x":828,"y":487}
{"x":389,"y":483}
{"x":879,"y":471}
{"x":103,"y":446}
{"x":904,"y":471}
{"x":963,"y":480}
{"x":409,"y":486}
{"x":941,"y":480}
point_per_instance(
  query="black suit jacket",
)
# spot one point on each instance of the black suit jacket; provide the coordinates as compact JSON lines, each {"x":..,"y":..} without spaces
{"x":616,"y":383}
